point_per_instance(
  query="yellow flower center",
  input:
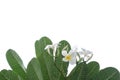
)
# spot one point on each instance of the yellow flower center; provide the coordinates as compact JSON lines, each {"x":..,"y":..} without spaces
{"x":68,"y":57}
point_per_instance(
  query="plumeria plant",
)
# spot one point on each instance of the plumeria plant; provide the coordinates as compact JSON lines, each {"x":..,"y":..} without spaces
{"x":52,"y":61}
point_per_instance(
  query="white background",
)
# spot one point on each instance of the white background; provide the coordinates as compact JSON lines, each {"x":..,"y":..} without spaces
{"x":89,"y":24}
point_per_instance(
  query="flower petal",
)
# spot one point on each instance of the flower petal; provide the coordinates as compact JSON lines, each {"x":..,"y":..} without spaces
{"x":86,"y":54}
{"x":48,"y":46}
{"x":64,"y":52}
{"x":56,"y":45}
{"x":65,"y":60}
{"x":72,"y":61}
{"x":73,"y":55}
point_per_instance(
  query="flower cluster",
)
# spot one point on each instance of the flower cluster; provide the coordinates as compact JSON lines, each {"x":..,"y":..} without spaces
{"x":73,"y":56}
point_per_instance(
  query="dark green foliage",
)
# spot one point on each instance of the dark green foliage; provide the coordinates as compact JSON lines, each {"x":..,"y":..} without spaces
{"x":84,"y":71}
{"x":79,"y":72}
{"x":58,"y":60}
{"x":49,"y":67}
{"x":8,"y":75}
{"x":16,"y":63}
{"x":93,"y":68}
{"x":34,"y":70}
{"x":109,"y":73}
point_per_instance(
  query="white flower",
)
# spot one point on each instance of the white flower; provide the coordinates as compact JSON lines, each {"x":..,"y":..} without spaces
{"x":54,"y":47}
{"x":86,"y":54}
{"x":69,"y":57}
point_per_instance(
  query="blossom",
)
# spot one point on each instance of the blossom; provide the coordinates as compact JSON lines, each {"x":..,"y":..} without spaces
{"x":54,"y":47}
{"x":69,"y":57}
{"x":86,"y":54}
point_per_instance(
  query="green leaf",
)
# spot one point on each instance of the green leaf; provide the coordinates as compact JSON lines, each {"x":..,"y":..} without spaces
{"x":79,"y":72}
{"x":63,"y":66}
{"x":34,"y":70}
{"x":84,"y":71}
{"x":9,"y":75}
{"x":48,"y":68}
{"x":2,"y":77}
{"x":40,"y":46}
{"x":16,"y":63}
{"x":93,"y":68}
{"x":109,"y":73}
